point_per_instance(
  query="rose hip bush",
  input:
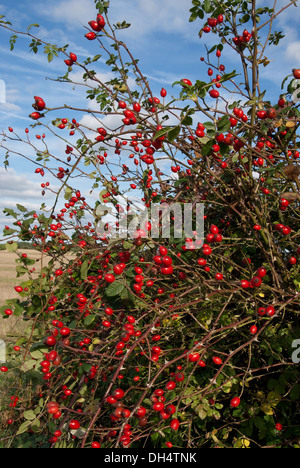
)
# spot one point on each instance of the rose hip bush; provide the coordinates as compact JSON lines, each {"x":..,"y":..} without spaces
{"x":148,"y":341}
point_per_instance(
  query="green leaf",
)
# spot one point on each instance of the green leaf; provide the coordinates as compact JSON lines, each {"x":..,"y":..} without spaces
{"x":35,"y":425}
{"x":180,"y":182}
{"x":28,"y":365}
{"x":23,"y":428}
{"x":161,"y":133}
{"x":127,"y":245}
{"x":37,"y":354}
{"x":173,"y":134}
{"x":12,"y":41}
{"x":223,"y":124}
{"x":68,"y":193}
{"x":89,"y":320}
{"x":11,"y":247}
{"x":127,"y":296}
{"x":84,"y":269}
{"x":10,"y":212}
{"x":115,"y":289}
{"x":101,"y":194}
{"x":261,"y":426}
{"x":207,"y":7}
{"x":21,"y":208}
{"x":29,"y":415}
{"x":9,"y":232}
{"x":193,"y":16}
{"x":228,"y":76}
{"x":209,"y":125}
{"x":21,"y":270}
{"x":207,"y":148}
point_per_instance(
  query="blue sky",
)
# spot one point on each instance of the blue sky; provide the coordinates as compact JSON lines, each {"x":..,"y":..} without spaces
{"x":161,"y":37}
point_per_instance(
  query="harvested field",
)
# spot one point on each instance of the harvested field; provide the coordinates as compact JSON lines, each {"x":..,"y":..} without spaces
{"x":13,"y":326}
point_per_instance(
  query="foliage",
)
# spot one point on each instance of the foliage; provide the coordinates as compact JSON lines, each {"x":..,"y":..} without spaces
{"x":177,"y":333}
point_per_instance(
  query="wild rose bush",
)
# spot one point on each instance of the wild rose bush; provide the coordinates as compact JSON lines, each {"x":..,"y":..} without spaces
{"x":161,"y":342}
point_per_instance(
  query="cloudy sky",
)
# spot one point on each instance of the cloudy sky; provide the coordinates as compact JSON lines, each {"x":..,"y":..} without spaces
{"x":161,"y":37}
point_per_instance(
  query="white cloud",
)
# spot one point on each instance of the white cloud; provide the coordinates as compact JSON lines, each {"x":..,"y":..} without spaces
{"x":22,"y":189}
{"x":17,"y":186}
{"x":153,"y":16}
{"x":293,"y":52}
{"x":145,"y":16}
{"x":72,"y":12}
{"x":29,"y":205}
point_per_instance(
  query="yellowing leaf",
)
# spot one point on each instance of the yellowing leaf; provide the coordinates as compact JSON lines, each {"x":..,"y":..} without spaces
{"x":277,"y":123}
{"x":274,"y":398}
{"x":290,"y":124}
{"x":245,"y":443}
{"x":267,"y":409}
{"x":242,"y":443}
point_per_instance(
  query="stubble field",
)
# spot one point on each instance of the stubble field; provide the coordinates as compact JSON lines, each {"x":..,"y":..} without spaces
{"x":13,"y":326}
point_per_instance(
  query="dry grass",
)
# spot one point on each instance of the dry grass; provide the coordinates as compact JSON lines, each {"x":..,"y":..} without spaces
{"x":11,"y":330}
{"x":13,"y":326}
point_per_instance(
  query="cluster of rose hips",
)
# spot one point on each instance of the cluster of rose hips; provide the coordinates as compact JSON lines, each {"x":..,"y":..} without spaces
{"x":71,"y":60}
{"x":256,"y":280}
{"x":267,"y":114}
{"x":97,"y":26}
{"x":39,"y":105}
{"x":242,"y":40}
{"x":212,"y":23}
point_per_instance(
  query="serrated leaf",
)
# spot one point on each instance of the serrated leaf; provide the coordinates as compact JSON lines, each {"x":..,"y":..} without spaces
{"x":68,"y":193}
{"x":10,"y":212}
{"x":21,"y":270}
{"x":21,"y":208}
{"x":267,"y":409}
{"x":228,"y":76}
{"x":86,"y":367}
{"x":127,"y":245}
{"x":127,"y":296}
{"x":223,"y":124}
{"x":28,"y":365}
{"x":9,"y":232}
{"x":11,"y":247}
{"x":115,"y":289}
{"x":89,"y":320}
{"x":161,"y":133}
{"x":23,"y":428}
{"x":173,"y":134}
{"x":187,"y":120}
{"x":37,"y":354}
{"x":207,"y":7}
{"x":29,"y":415}
{"x":207,"y":148}
{"x":35,"y":425}
{"x":209,"y":125}
{"x":84,"y":269}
